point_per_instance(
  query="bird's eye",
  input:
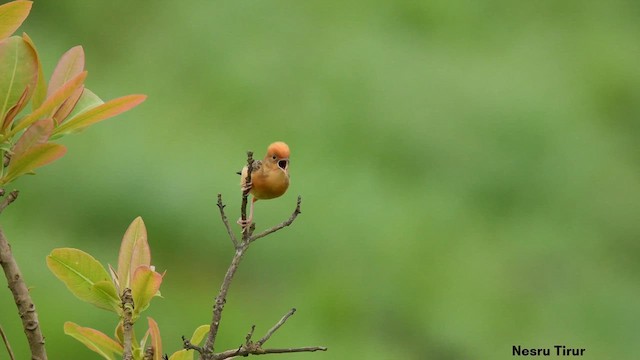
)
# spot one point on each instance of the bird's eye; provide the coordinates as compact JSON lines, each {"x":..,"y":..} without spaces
{"x":274,"y":157}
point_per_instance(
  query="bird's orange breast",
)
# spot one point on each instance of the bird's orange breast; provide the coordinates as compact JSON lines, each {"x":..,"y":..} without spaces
{"x":269,"y":184}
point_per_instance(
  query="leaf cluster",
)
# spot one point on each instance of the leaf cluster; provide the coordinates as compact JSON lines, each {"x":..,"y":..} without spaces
{"x":60,"y":106}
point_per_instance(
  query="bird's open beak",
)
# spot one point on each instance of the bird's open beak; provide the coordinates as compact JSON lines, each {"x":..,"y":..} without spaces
{"x":283,"y":164}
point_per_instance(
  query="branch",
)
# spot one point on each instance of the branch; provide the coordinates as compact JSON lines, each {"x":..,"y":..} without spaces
{"x":20,"y":291}
{"x":9,"y":199}
{"x":221,"y":299}
{"x":286,"y":223}
{"x":245,"y":192}
{"x":276,"y":327}
{"x":6,"y":344}
{"x":226,"y":222}
{"x":246,"y":352}
{"x":251,"y":348}
{"x":127,"y":323}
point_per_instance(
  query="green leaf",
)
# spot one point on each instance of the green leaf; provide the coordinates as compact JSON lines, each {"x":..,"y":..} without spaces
{"x":95,"y":340}
{"x":85,"y":277}
{"x":144,"y":286}
{"x":99,"y":113}
{"x":49,"y":104}
{"x":40,"y":92}
{"x":134,"y":251}
{"x":37,"y":156}
{"x":156,"y":340}
{"x":12,"y":15}
{"x":70,"y":64}
{"x":38,"y":133}
{"x":18,"y":71}
{"x":196,"y":339}
{"x":199,"y":334}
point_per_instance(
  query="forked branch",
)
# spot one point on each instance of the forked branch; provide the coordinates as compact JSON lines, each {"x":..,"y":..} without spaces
{"x":207,"y":352}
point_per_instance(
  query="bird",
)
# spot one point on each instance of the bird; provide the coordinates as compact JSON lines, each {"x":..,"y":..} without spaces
{"x":269,"y":177}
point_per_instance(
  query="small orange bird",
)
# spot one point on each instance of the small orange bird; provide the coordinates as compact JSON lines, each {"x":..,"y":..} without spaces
{"x":269,"y":177}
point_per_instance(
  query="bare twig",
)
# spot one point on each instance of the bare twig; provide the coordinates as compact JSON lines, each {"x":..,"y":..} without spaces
{"x":187,"y":345}
{"x":127,"y":323}
{"x":20,"y":291}
{"x":259,"y":351}
{"x":286,"y":223}
{"x":275,"y":327}
{"x":249,"y":335}
{"x":245,"y":192}
{"x":226,"y":222}
{"x":6,"y":344}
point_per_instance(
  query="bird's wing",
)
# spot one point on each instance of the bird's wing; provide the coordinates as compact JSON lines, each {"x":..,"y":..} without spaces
{"x":257,"y":164}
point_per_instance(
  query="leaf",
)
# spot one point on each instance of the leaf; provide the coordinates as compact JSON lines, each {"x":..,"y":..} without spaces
{"x":134,"y":251}
{"x":49,"y":104}
{"x":18,"y":71}
{"x":70,"y":64}
{"x":12,"y":15}
{"x":67,"y":106}
{"x":38,"y":133}
{"x":94,"y":340}
{"x":199,"y":334}
{"x":88,"y":100}
{"x":144,"y":286}
{"x":85,"y":277}
{"x":156,"y":340}
{"x":40,"y":92}
{"x":182,"y":355}
{"x":99,"y":113}
{"x":196,"y":339}
{"x":15,"y":109}
{"x":37,"y":156}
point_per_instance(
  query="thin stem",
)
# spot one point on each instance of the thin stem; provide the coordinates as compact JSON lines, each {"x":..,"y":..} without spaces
{"x":276,"y":327}
{"x":226,"y":222}
{"x":6,"y":344}
{"x":286,"y":223}
{"x":258,"y":351}
{"x":245,"y":193}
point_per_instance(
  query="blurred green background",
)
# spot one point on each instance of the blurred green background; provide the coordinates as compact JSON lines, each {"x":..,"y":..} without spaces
{"x":470,"y":172}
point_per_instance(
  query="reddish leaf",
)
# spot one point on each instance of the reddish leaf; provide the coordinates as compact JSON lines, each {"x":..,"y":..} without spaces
{"x":35,"y":157}
{"x":99,"y":113}
{"x":18,"y":71}
{"x":40,"y":92}
{"x":134,"y":252}
{"x":65,"y":109}
{"x":12,"y":15}
{"x":15,"y":109}
{"x":145,"y":284}
{"x":156,"y":341}
{"x":70,"y":64}
{"x":38,"y":133}
{"x":51,"y":103}
{"x":95,"y":340}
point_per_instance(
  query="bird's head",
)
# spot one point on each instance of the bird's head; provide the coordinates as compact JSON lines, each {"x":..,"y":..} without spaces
{"x":278,"y":155}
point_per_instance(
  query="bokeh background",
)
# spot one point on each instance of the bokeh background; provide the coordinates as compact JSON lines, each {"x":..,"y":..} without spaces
{"x":469,"y":170}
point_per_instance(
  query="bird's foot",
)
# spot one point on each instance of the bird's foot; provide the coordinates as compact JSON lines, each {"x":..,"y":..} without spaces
{"x":246,"y":188}
{"x":244,"y":223}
